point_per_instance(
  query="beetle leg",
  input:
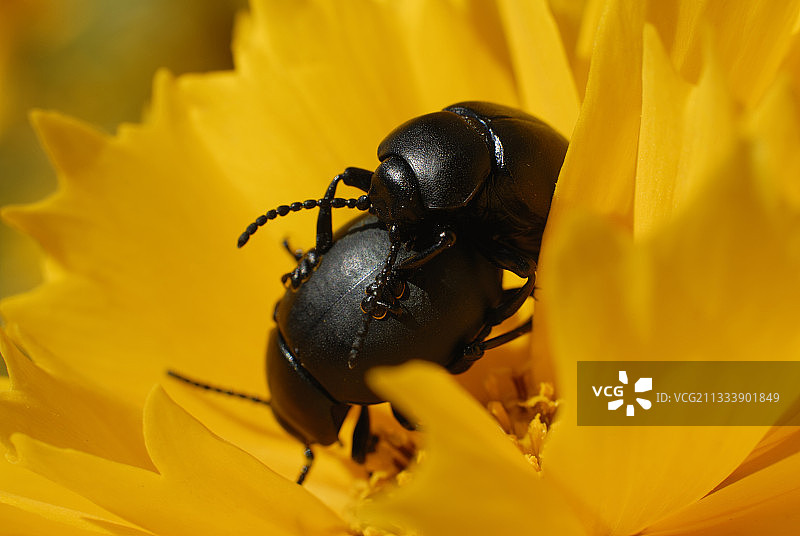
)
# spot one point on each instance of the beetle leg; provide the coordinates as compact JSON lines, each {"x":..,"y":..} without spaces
{"x":506,"y":257}
{"x":378,"y":301}
{"x":397,"y":287}
{"x":374,"y":294}
{"x":306,"y":264}
{"x":445,"y":239}
{"x":362,"y":438}
{"x":309,"y":454}
{"x":511,"y":303}
{"x":475,"y":349}
{"x":377,"y":308}
{"x":357,"y":177}
{"x":296,"y":253}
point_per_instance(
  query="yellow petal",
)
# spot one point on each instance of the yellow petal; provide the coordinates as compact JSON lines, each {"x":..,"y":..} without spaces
{"x":439,"y":36}
{"x":791,"y":63}
{"x":778,"y":444}
{"x":774,"y":128}
{"x":590,"y":21}
{"x":763,"y":503}
{"x":471,"y":479}
{"x":600,"y":164}
{"x":686,"y":134}
{"x":628,"y":476}
{"x":43,"y":507}
{"x":22,"y":516}
{"x":664,"y":96}
{"x":752,"y":39}
{"x":679,"y":296}
{"x":571,"y":18}
{"x":679,"y":288}
{"x":253,"y":429}
{"x":678,"y":24}
{"x":316,"y":89}
{"x":137,"y":291}
{"x":65,"y":412}
{"x":210,"y":486}
{"x":536,"y":48}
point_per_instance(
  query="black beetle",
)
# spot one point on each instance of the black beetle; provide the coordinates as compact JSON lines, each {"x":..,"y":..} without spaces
{"x":442,"y":310}
{"x":479,"y":171}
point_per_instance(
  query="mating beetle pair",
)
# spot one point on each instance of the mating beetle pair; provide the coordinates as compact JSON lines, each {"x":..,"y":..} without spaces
{"x":396,"y":286}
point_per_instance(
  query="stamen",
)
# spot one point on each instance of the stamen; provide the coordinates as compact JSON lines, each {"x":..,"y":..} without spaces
{"x":395,"y":449}
{"x":523,"y":407}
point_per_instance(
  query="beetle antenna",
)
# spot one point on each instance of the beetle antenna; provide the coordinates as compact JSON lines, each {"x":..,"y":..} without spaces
{"x":371,"y":306}
{"x":215,"y":389}
{"x":362,"y":203}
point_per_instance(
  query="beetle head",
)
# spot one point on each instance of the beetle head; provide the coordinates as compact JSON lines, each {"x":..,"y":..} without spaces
{"x":394,"y":192}
{"x":444,"y":157}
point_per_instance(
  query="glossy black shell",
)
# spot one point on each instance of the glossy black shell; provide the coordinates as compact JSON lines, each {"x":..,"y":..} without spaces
{"x":444,"y":309}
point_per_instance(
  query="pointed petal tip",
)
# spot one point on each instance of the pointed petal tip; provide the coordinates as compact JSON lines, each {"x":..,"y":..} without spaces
{"x":70,"y":144}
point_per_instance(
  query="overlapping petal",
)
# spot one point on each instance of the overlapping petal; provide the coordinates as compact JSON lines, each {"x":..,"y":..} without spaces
{"x":472,"y":479}
{"x":763,"y":503}
{"x":66,"y":412}
{"x":31,"y":504}
{"x":209,"y":485}
{"x":25,"y":516}
{"x":675,"y":297}
{"x":599,"y":170}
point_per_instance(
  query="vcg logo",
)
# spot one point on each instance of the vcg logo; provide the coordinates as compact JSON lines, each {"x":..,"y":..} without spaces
{"x":642,"y":385}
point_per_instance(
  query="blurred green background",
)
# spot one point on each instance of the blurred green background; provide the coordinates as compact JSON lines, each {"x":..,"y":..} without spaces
{"x":94,"y":60}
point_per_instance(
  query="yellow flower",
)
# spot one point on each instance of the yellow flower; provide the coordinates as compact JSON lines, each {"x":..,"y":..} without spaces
{"x":674,"y":235}
{"x":95,"y":60}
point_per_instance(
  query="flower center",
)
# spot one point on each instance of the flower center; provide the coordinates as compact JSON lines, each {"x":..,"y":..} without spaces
{"x":523,"y":407}
{"x":392,"y":450}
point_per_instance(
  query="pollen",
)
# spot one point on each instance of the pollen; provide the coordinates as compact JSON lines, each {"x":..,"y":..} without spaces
{"x":523,"y":407}
{"x":392,"y":452}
